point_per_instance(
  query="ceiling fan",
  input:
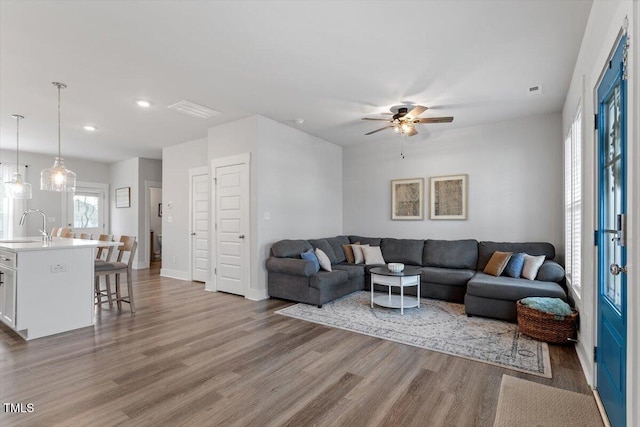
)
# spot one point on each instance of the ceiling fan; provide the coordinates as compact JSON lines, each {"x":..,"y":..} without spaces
{"x":405,"y":117}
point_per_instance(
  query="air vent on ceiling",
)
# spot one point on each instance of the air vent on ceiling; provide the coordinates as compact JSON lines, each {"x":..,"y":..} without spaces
{"x":194,"y":109}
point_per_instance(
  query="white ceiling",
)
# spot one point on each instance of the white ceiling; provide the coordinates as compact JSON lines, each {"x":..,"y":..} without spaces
{"x":330,"y":63}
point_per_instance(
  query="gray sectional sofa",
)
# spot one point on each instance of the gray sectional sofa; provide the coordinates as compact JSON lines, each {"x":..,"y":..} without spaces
{"x":451,"y":270}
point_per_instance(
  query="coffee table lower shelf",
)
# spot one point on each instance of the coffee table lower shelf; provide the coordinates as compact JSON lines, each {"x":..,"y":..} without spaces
{"x":395,"y":301}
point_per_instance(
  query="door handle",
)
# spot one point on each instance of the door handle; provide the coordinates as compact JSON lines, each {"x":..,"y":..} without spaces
{"x":241,"y":236}
{"x":615,"y":269}
{"x":193,"y":234}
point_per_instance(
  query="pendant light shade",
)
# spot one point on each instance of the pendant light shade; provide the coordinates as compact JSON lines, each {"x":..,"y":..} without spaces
{"x":17,"y":188}
{"x":57,"y":177}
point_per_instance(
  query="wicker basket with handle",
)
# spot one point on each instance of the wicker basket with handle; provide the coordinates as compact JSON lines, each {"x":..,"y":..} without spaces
{"x":544,"y":326}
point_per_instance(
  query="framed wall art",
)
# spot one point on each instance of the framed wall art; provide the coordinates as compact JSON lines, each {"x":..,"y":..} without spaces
{"x":448,"y":197}
{"x":407,"y":199}
{"x":123,"y":197}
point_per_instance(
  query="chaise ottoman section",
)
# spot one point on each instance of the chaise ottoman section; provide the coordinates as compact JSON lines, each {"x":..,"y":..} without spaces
{"x":444,"y":283}
{"x":496,"y":297}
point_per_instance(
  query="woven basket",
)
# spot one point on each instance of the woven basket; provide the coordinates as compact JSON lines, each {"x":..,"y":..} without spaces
{"x":544,"y":326}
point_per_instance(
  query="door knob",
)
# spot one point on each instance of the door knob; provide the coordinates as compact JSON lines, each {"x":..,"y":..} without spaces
{"x":615,"y":269}
{"x":193,"y":234}
{"x":241,"y":236}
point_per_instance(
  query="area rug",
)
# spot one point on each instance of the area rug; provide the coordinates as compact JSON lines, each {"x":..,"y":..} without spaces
{"x":525,"y":403}
{"x":437,"y":325}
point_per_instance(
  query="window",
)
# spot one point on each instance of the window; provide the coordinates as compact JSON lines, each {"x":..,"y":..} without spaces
{"x":87,"y":208}
{"x":573,"y":202}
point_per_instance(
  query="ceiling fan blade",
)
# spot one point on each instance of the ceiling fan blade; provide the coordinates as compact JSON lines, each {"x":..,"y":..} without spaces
{"x":378,"y":130}
{"x":434,"y":120}
{"x":411,"y":132}
{"x":369,"y":118}
{"x":416,"y":111}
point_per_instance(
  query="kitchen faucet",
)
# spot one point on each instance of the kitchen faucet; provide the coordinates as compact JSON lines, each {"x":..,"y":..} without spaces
{"x":45,"y":235}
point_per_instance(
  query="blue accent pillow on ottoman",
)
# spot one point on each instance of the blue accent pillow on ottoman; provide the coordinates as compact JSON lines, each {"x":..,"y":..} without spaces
{"x":311,"y":256}
{"x":515,"y":266}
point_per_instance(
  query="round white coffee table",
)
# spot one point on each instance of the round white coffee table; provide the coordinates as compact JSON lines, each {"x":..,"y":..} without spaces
{"x":410,"y":276}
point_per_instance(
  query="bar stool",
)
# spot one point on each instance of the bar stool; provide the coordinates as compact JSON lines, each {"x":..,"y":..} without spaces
{"x":65,"y":232}
{"x":100,"y":258}
{"x":55,"y":231}
{"x":84,"y":236}
{"x":106,"y":268}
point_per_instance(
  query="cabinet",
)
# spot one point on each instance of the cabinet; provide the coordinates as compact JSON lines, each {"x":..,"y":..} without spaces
{"x":8,"y":288}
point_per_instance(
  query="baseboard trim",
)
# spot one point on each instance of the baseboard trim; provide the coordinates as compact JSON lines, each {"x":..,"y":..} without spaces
{"x":209,"y":286}
{"x":174,"y":274}
{"x":141,"y":265}
{"x":583,"y":358}
{"x":257,"y":294}
{"x":603,"y":413}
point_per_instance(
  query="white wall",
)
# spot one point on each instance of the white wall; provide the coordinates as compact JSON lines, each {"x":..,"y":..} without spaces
{"x":603,"y":28}
{"x":514,"y":182}
{"x":124,"y":221}
{"x":176,"y":162}
{"x":300,"y":188}
{"x":50,"y":202}
{"x":295,"y":177}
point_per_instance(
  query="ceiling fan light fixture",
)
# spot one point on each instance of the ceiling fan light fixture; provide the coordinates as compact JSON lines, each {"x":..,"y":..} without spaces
{"x":17,"y":188}
{"x":58,"y":177}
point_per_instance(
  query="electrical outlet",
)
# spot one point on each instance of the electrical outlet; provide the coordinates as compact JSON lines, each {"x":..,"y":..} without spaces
{"x":58,"y":268}
{"x":174,"y":259}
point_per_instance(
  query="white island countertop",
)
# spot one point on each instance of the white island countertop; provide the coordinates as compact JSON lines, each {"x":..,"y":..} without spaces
{"x":36,"y":244}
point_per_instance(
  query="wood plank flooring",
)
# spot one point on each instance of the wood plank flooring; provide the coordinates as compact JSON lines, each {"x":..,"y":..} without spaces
{"x":190,"y":357}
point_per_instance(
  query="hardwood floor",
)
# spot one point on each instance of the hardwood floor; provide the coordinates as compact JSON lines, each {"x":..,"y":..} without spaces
{"x":190,"y":357}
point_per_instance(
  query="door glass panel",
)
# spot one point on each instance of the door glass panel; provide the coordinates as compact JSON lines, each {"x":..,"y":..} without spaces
{"x":612,"y":193}
{"x":85,"y":211}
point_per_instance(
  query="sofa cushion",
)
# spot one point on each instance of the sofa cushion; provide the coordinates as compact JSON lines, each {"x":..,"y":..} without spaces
{"x":328,"y":279}
{"x":358,"y":256}
{"x":336,"y":244}
{"x":290,"y":248}
{"x":372,"y":255}
{"x":348,"y":254}
{"x":323,"y":260}
{"x":497,"y":263}
{"x":446,"y":276}
{"x":511,"y":289}
{"x":514,"y":266}
{"x":531,"y":266}
{"x":486,"y":250}
{"x":550,"y":271}
{"x":325,"y":247}
{"x":352,"y":270}
{"x":290,"y":266}
{"x":451,"y":254}
{"x":371,"y":241}
{"x":311,"y":256}
{"x":406,"y":251}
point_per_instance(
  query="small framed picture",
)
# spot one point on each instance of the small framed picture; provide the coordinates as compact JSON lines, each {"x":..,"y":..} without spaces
{"x":123,"y":197}
{"x":448,"y":197}
{"x":407,"y":199}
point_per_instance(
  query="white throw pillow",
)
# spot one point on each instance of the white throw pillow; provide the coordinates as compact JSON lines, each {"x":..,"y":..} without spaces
{"x":323,"y":259}
{"x":357,"y":253}
{"x":372,"y":255}
{"x":531,"y":266}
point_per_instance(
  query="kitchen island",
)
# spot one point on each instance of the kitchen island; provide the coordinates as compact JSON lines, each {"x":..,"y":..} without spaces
{"x":47,"y":287}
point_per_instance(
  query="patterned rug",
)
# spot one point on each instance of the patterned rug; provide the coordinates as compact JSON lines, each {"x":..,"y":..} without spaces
{"x":437,"y":325}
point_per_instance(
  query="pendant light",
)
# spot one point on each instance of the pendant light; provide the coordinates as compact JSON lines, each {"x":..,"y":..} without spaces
{"x":58,"y":178}
{"x":17,"y":188}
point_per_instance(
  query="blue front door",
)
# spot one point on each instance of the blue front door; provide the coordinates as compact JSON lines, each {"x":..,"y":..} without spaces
{"x":612,"y":252}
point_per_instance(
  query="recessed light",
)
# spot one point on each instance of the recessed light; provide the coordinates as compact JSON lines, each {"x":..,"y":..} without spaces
{"x":142,"y":103}
{"x":90,"y":128}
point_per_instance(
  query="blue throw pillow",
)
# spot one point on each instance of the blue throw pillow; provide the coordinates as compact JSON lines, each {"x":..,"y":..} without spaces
{"x":514,"y":266}
{"x":310,"y":256}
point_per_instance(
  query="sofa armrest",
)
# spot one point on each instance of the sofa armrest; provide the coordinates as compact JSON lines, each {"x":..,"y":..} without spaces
{"x":293,"y":266}
{"x":550,"y":271}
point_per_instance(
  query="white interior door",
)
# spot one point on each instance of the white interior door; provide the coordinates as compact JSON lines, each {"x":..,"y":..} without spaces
{"x":232,"y":228}
{"x":199,"y":227}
